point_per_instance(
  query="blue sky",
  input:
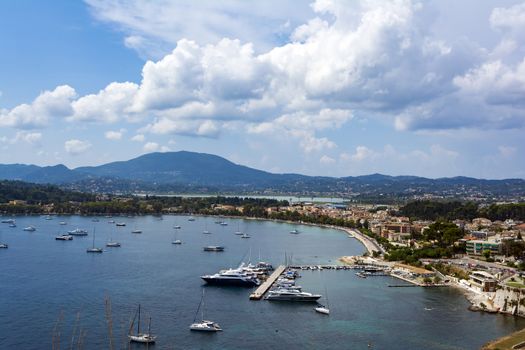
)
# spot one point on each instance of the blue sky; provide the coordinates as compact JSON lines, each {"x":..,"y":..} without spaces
{"x":337,"y":88}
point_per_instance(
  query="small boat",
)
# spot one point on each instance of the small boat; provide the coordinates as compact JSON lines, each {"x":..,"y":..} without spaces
{"x":64,"y":238}
{"x":8,"y":221}
{"x":322,"y":310}
{"x":30,"y":228}
{"x":12,"y":225}
{"x":136,"y":231}
{"x":111,"y":221}
{"x":93,"y":249}
{"x":120,"y":224}
{"x":111,"y":243}
{"x":204,"y":325}
{"x":177,"y":227}
{"x":224,"y":223}
{"x":294,"y":232}
{"x":47,"y":217}
{"x":213,"y":248}
{"x":360,"y":274}
{"x":245,"y":235}
{"x":63,"y":223}
{"x":177,"y":241}
{"x":3,"y":246}
{"x":191,"y":219}
{"x":145,"y":338}
{"x":206,"y":232}
{"x":78,"y":232}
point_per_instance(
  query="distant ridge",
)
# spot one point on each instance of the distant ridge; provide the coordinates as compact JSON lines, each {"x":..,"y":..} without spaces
{"x":202,"y":172}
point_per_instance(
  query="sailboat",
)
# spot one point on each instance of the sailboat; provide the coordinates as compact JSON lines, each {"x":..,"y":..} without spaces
{"x":320,"y":308}
{"x":112,"y":244}
{"x":3,"y":246}
{"x":176,"y":241}
{"x":93,"y":249}
{"x":203,"y":325}
{"x":136,"y":230}
{"x":146,"y":338}
{"x":238,"y":232}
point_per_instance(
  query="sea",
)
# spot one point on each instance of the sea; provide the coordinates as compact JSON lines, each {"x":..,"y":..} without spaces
{"x":53,"y":294}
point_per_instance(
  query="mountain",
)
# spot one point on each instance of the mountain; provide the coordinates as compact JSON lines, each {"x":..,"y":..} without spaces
{"x":206,"y":173}
{"x":182,"y":167}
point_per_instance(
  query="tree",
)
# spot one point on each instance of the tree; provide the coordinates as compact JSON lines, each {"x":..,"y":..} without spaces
{"x":486,"y":253}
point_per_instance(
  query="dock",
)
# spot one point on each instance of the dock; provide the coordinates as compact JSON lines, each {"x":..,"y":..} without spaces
{"x":263,"y":288}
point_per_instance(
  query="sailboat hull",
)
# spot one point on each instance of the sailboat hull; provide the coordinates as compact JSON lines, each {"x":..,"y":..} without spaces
{"x":142,"y":338}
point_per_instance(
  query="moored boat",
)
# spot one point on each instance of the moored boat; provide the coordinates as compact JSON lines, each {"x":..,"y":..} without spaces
{"x":213,"y":248}
{"x":64,"y":238}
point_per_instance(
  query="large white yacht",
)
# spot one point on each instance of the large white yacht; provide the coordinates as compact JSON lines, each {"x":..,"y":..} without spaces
{"x":291,"y":295}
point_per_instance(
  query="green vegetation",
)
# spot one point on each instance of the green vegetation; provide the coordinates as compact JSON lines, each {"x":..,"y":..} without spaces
{"x":451,"y":270}
{"x":435,"y":210}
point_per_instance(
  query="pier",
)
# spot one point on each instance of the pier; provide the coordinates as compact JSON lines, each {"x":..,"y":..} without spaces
{"x":263,"y":288}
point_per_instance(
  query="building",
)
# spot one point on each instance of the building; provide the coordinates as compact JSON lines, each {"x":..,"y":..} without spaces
{"x":477,"y":247}
{"x":483,"y":281}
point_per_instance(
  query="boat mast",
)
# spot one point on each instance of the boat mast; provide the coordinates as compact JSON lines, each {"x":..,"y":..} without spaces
{"x":93,"y":237}
{"x":196,"y":313}
{"x":138,"y":324}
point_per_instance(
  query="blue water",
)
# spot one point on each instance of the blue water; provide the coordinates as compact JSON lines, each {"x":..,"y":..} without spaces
{"x":46,"y":284}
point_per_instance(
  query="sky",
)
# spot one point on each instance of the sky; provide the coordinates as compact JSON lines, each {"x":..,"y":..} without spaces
{"x":433,"y":88}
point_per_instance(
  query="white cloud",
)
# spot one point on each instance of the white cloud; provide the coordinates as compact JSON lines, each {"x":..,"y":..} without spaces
{"x":56,"y":103}
{"x":362,"y":153}
{"x":510,"y":18}
{"x":114,"y":135}
{"x":29,"y":137}
{"x":151,"y":147}
{"x":109,"y":105}
{"x":75,"y":147}
{"x":326,"y":160}
{"x":154,"y":27}
{"x":138,"y":138}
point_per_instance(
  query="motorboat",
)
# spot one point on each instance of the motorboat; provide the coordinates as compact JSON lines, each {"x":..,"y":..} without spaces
{"x":30,"y":228}
{"x":177,"y":227}
{"x":295,"y":231}
{"x":136,"y":231}
{"x":177,"y":241}
{"x":291,"y":295}
{"x":12,"y":225}
{"x":64,"y":238}
{"x":120,"y":224}
{"x":213,"y":248}
{"x":245,"y":235}
{"x":3,"y":246}
{"x":62,"y":223}
{"x":191,"y":219}
{"x":233,"y":277}
{"x":112,"y":244}
{"x":78,"y":232}
{"x":8,"y":221}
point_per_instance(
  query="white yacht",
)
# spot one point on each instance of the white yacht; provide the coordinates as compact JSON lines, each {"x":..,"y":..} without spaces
{"x":291,"y":295}
{"x":177,"y":241}
{"x":78,"y":232}
{"x":213,"y":248}
{"x":30,"y":228}
{"x":322,"y":310}
{"x":112,"y":244}
{"x":294,"y":231}
{"x":233,"y":277}
{"x":245,"y":235}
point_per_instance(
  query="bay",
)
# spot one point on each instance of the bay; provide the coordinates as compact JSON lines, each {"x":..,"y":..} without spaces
{"x":43,"y":281}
